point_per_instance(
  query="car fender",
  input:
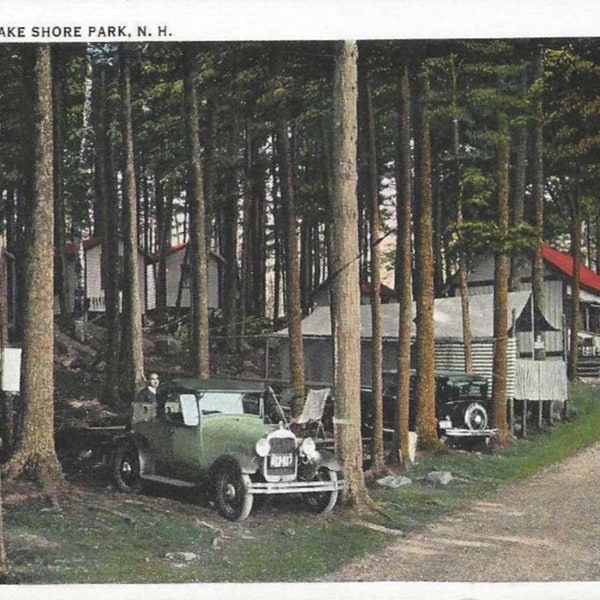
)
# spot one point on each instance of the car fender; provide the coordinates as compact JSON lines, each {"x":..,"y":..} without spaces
{"x":246,"y":464}
{"x":144,"y":452}
{"x":326,"y":459}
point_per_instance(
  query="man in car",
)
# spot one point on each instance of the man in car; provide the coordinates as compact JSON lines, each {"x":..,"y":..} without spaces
{"x":148,"y":394}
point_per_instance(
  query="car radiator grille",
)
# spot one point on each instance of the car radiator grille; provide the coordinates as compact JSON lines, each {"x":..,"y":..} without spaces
{"x":281,"y":447}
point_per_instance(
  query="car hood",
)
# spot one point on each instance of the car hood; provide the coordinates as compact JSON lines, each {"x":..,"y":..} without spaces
{"x":231,"y":434}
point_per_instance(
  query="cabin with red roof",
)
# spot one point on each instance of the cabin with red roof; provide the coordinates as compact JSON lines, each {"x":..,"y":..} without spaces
{"x":558,"y":274}
{"x":178,"y":277}
{"x":88,"y":256}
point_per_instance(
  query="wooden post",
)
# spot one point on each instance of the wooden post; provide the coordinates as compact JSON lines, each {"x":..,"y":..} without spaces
{"x":524,"y":417}
{"x":511,"y":415}
{"x":549,"y":410}
{"x":540,"y":413}
{"x":267,"y":358}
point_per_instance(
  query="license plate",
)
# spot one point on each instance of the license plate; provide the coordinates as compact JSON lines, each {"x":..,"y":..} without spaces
{"x":278,"y":461}
{"x":445,"y":424}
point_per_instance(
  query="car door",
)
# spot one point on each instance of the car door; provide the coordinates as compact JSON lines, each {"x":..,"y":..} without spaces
{"x":159,"y":433}
{"x":185,"y":440}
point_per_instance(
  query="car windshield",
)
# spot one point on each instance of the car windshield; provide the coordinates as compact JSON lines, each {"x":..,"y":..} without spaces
{"x":468,"y":389}
{"x":230,"y":403}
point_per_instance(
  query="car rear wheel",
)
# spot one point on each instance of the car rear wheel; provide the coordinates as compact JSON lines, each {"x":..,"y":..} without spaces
{"x":231,"y":490}
{"x":322,"y":502}
{"x":126,"y":469}
{"x":476,"y":417}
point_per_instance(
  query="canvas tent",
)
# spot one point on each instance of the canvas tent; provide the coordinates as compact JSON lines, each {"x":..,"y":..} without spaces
{"x":318,"y":354}
{"x":447,"y":317}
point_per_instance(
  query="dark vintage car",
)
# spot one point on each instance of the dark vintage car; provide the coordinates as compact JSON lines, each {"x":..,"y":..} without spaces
{"x":462,"y":405}
{"x":227,"y":437}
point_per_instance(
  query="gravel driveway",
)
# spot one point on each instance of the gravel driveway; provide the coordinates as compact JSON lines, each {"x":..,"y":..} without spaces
{"x":546,"y":528}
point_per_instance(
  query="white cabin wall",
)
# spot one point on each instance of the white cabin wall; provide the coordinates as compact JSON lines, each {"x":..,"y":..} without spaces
{"x":93,"y":278}
{"x":481,"y":282}
{"x":173,"y":264}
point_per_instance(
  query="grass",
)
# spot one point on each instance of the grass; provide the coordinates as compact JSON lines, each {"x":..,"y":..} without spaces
{"x":99,"y":536}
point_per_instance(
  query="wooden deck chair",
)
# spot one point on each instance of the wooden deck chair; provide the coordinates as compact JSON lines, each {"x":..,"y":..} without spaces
{"x":312,"y":413}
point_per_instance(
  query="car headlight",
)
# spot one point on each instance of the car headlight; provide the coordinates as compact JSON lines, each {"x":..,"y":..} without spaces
{"x":308,"y":446}
{"x":262,"y":447}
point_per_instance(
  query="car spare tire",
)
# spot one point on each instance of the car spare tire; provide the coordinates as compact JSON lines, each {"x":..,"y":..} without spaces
{"x":476,"y":417}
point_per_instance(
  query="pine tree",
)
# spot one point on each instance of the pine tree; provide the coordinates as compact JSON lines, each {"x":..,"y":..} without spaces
{"x":132,"y":378}
{"x":35,"y":455}
{"x":198,"y":256}
{"x":346,"y":305}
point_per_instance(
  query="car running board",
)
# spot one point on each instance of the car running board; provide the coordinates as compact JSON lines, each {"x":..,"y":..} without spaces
{"x":168,"y":481}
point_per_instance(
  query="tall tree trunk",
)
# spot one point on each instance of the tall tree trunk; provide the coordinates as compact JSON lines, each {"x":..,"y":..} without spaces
{"x":85,"y":156}
{"x":210,"y":171}
{"x":537,"y":263}
{"x":247,"y":270}
{"x":425,"y":344}
{"x":575,"y":316}
{"x":305,"y":264}
{"x":376,"y":318}
{"x":229,"y":246}
{"x":3,"y":560}
{"x":597,"y":259}
{"x":132,"y":373}
{"x":438,"y":236}
{"x":198,"y":246}
{"x":518,"y":203}
{"x":108,"y":205}
{"x":8,"y":429}
{"x":500,"y":360}
{"x":345,"y":274}
{"x":292,"y":264}
{"x":164,"y":217}
{"x":4,"y":426}
{"x":259,"y":217}
{"x":60,"y":239}
{"x":26,"y":185}
{"x":463,"y":270}
{"x":277,"y":242}
{"x":35,"y":454}
{"x":246,"y":267}
{"x":254,"y":227}
{"x":404,"y":267}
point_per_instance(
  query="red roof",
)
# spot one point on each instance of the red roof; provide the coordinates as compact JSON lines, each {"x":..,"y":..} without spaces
{"x":366,"y":287}
{"x":178,"y":248}
{"x":89,"y":243}
{"x":564,"y":262}
{"x":156,"y":256}
{"x":73,"y":248}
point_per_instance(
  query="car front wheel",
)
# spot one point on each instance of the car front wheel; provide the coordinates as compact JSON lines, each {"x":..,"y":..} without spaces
{"x":126,"y":469}
{"x":322,"y":502}
{"x":233,"y":499}
{"x":476,"y":417}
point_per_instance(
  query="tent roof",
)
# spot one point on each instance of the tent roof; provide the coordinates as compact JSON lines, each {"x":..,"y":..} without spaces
{"x":447,"y":318}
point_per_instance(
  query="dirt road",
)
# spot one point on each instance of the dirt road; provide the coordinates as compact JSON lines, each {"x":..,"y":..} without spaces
{"x":546,"y":528}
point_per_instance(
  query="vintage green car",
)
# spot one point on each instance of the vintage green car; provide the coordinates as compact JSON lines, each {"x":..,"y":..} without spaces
{"x":230,"y":436}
